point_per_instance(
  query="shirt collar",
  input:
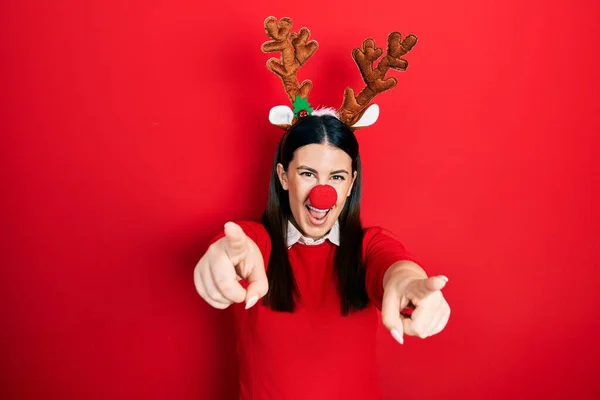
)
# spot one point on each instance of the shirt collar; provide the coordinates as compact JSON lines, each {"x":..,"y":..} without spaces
{"x":295,"y":236}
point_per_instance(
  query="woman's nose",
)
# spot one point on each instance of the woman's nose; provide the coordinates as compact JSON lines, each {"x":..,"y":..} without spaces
{"x":323,"y":180}
{"x":322,"y":197}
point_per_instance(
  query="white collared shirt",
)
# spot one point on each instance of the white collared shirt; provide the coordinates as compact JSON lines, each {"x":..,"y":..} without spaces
{"x":295,"y":236}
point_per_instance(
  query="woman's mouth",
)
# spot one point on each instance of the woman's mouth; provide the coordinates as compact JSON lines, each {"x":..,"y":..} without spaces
{"x":317,"y":216}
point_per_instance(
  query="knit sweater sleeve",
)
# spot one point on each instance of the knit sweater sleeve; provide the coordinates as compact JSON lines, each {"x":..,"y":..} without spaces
{"x":381,"y":249}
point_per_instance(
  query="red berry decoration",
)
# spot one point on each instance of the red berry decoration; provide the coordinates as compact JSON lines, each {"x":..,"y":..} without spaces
{"x":303,"y":114}
{"x":322,"y":197}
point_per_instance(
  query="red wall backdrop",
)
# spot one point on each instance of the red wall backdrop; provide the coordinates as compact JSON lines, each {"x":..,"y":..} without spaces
{"x":131,"y":131}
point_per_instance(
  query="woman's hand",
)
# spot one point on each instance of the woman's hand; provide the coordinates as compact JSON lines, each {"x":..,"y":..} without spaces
{"x":228,"y":260}
{"x":405,"y":282}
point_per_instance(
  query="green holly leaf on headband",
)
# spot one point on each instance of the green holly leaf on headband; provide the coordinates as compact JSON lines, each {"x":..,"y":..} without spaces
{"x":300,"y":104}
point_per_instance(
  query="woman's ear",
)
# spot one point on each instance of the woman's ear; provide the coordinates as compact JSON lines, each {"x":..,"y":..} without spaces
{"x":282,"y":176}
{"x":354,"y":175}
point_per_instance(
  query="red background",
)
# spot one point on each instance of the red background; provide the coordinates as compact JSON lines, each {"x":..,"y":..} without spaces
{"x":131,"y":131}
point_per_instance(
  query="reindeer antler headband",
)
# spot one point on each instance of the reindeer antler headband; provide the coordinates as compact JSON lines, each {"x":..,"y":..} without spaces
{"x":356,"y":111}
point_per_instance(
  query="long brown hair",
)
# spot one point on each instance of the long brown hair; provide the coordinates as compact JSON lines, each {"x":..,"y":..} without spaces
{"x":348,"y":268}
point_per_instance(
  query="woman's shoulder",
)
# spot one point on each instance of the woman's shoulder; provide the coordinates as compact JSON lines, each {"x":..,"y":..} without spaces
{"x":255,"y":230}
{"x":374,"y":231}
{"x":378,"y":237}
{"x":251,"y":225}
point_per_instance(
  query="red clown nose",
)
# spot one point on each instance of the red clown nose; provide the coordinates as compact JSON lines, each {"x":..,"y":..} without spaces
{"x":322,"y":197}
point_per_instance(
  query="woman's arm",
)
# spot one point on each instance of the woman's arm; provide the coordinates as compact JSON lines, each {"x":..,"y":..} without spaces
{"x":395,"y":280}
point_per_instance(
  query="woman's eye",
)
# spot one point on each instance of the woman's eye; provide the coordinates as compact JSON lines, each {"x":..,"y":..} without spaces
{"x":307,"y":174}
{"x":338,"y":177}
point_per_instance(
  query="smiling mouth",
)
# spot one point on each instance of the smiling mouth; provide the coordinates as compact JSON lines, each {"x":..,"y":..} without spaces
{"x":316,"y":213}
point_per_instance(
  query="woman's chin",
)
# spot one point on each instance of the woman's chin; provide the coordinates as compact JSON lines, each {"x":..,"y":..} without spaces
{"x":316,"y":228}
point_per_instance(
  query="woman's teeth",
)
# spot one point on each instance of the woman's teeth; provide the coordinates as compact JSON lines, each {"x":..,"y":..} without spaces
{"x":317,"y":210}
{"x":316,"y":213}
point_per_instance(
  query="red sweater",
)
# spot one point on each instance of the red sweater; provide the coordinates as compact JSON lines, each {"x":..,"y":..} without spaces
{"x":314,"y":353}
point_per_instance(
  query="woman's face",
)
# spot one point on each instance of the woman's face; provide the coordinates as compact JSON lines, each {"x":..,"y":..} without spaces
{"x":316,"y":164}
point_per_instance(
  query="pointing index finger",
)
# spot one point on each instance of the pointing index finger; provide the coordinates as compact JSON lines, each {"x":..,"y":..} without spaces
{"x":237,"y":243}
{"x":425,"y":287}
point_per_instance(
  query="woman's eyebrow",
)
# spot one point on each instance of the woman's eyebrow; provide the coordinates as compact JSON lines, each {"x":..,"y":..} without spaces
{"x":339,"y":171}
{"x":314,"y":171}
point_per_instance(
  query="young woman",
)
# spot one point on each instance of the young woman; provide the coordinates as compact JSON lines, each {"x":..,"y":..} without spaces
{"x":306,"y":282}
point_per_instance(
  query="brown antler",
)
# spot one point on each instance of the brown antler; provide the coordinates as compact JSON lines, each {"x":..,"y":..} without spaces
{"x":354,"y":106}
{"x":295,"y":50}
